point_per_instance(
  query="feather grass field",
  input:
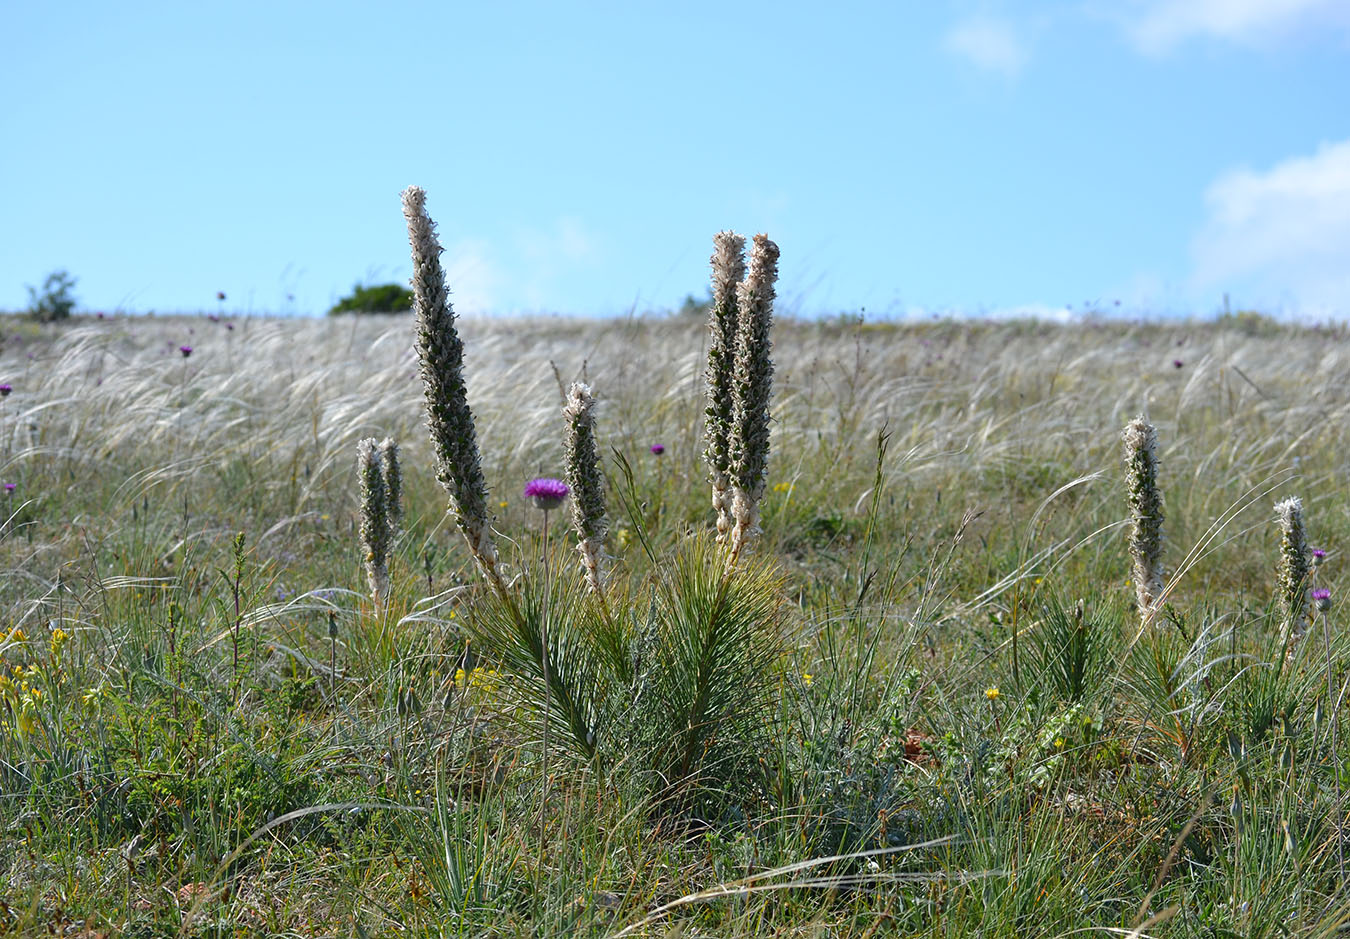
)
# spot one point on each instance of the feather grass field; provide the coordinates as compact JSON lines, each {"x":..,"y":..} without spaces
{"x":924,"y":703}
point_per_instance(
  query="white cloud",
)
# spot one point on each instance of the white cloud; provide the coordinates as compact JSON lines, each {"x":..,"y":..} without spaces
{"x":1160,"y":25}
{"x":1281,"y":235}
{"x":988,"y":43}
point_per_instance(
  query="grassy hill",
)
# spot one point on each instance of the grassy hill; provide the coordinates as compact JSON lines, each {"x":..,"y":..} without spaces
{"x":945,"y":716}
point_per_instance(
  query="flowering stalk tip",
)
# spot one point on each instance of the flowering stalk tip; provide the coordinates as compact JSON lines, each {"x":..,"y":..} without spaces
{"x":376,"y":533}
{"x":586,"y":483}
{"x":751,"y":388}
{"x":449,"y":420}
{"x":1146,"y":515}
{"x":1295,"y":566}
{"x":728,"y":269}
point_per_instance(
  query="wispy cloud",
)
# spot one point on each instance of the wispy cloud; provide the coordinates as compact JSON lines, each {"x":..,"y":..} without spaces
{"x":1160,"y":25}
{"x":1281,"y":235}
{"x":475,"y":280}
{"x":989,"y":43}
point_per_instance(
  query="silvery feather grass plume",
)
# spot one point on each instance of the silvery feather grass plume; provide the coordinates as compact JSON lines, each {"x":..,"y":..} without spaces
{"x":376,"y":534}
{"x":1294,"y":566}
{"x":583,"y":479}
{"x":1146,"y":514}
{"x":393,"y":483}
{"x":752,"y":382}
{"x":449,"y":419}
{"x":728,"y":269}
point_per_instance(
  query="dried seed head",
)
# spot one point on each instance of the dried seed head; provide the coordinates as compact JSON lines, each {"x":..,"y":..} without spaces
{"x":375,"y":531}
{"x":728,"y":269}
{"x":584,"y":479}
{"x":1146,"y":514}
{"x":393,"y":482}
{"x":752,"y":386}
{"x":1295,"y":566}
{"x":441,"y":354}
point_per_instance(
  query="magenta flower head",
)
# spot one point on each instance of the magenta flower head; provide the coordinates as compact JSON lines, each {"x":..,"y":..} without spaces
{"x":1319,"y":555}
{"x":1322,"y":598}
{"x":1177,"y":363}
{"x":658,"y":449}
{"x":546,"y":493}
{"x":10,"y":487}
{"x":186,"y":350}
{"x":5,"y":390}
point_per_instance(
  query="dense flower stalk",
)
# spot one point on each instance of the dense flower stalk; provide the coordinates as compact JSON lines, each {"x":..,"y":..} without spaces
{"x":376,"y":533}
{"x":449,"y":419}
{"x":1146,"y":514}
{"x":1295,"y":566}
{"x":728,"y":270}
{"x":393,"y":483}
{"x":752,"y":384}
{"x":586,"y":484}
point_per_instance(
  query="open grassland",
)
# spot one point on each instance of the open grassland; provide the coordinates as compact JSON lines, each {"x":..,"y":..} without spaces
{"x":202,"y":735}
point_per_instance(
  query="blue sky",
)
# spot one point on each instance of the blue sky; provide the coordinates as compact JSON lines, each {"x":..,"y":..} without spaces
{"x":908,"y":157}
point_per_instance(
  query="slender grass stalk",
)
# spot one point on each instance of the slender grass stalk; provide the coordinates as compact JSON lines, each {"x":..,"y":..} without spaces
{"x":236,"y":588}
{"x":543,"y":667}
{"x":547,"y":495}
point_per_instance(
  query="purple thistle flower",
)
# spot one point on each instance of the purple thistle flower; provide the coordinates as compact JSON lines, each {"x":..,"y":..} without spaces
{"x":658,"y":449}
{"x":1177,"y":363}
{"x":186,"y":350}
{"x":10,"y":487}
{"x":1318,"y":555}
{"x":5,"y":390}
{"x":546,"y":493}
{"x":1322,"y":598}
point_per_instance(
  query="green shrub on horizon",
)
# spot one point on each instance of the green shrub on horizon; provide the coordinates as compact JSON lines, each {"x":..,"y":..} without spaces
{"x":55,"y":301}
{"x":376,"y":298}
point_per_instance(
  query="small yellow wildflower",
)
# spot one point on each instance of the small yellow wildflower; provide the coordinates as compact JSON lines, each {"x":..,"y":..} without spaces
{"x":17,"y":635}
{"x":501,"y":504}
{"x":991,"y":692}
{"x":1059,"y":743}
{"x":807,"y":679}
